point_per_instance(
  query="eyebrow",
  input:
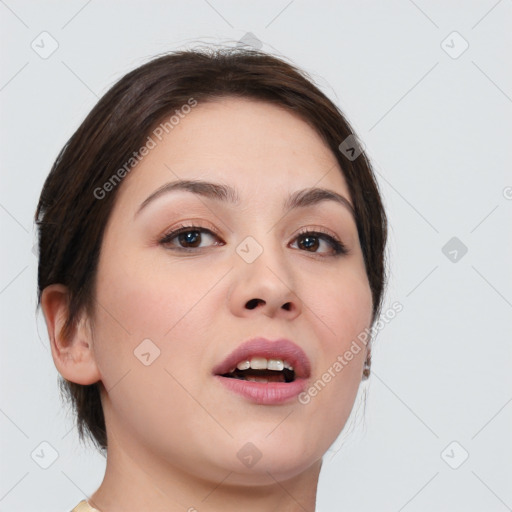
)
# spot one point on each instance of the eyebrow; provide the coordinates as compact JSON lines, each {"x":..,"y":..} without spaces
{"x":299,"y":199}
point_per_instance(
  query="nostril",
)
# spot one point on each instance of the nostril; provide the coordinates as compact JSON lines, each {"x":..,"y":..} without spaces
{"x":287,"y":306}
{"x":251,"y":304}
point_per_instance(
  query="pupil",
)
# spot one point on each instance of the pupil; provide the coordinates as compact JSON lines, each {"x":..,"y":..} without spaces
{"x":190,"y":238}
{"x":310,"y":242}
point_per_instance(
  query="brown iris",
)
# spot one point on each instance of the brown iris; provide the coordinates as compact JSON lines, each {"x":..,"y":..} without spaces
{"x":309,"y":243}
{"x":190,"y":238}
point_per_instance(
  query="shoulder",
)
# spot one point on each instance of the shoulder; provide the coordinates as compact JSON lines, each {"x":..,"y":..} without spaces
{"x":83,"y":506}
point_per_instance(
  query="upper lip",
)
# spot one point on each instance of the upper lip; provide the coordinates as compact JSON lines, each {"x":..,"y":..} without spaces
{"x":261,"y":347}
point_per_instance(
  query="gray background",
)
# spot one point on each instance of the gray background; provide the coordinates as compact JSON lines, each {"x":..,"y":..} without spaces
{"x":436,"y":123}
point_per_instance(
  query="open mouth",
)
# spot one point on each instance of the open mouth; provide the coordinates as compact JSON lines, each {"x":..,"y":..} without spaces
{"x":265,"y":372}
{"x":263,"y":376}
{"x":260,"y":369}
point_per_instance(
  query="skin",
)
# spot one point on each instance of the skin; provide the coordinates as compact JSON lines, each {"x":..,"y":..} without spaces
{"x":173,"y":431}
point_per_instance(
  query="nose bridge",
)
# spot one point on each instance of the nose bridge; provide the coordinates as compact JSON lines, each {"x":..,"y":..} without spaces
{"x":263,"y":279}
{"x":264,"y":259}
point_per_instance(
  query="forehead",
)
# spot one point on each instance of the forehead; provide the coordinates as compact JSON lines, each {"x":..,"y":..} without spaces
{"x":259,"y":148}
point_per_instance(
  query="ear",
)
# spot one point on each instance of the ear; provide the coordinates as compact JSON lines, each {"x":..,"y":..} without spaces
{"x":367,"y":364}
{"x":73,"y":357}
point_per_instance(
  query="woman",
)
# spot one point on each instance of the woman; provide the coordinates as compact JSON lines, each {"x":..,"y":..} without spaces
{"x":211,"y":246}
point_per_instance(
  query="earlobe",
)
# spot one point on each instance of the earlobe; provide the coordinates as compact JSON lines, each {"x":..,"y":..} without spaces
{"x":73,"y":355}
{"x":367,"y":365}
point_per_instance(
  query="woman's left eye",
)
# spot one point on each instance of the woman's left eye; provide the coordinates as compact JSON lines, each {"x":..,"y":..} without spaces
{"x":321,"y":243}
{"x":191,"y":237}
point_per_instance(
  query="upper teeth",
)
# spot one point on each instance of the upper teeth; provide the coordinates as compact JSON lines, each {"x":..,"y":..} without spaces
{"x":261,"y":363}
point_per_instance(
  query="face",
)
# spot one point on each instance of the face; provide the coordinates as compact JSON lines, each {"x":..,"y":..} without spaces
{"x":186,"y":278}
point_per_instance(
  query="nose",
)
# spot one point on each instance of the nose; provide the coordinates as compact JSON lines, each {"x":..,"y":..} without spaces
{"x":264,"y":287}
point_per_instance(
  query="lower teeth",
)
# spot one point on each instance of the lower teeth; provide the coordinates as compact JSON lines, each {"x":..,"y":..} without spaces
{"x":251,"y":379}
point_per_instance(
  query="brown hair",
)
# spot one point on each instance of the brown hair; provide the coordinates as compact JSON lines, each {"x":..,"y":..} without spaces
{"x":71,"y":219}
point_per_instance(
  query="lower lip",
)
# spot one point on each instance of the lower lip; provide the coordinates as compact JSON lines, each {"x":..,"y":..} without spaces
{"x":265,"y":393}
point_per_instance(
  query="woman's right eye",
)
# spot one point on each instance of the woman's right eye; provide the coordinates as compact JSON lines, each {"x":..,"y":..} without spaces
{"x":190,"y":237}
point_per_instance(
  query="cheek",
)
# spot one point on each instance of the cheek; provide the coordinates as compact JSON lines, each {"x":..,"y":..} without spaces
{"x":149,"y":299}
{"x":144,"y":312}
{"x":343,"y":311}
{"x":344,"y":305}
{"x":350,"y":313}
{"x":144,"y":301}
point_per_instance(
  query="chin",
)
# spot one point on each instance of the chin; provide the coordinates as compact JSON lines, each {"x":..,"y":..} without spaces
{"x":258,"y":462}
{"x":279,"y":467}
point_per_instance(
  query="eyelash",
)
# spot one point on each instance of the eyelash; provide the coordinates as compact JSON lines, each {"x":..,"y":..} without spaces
{"x":338,"y":247}
{"x":167,"y":238}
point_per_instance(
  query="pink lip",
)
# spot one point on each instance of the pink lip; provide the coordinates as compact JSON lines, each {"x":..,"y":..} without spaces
{"x":272,"y":392}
